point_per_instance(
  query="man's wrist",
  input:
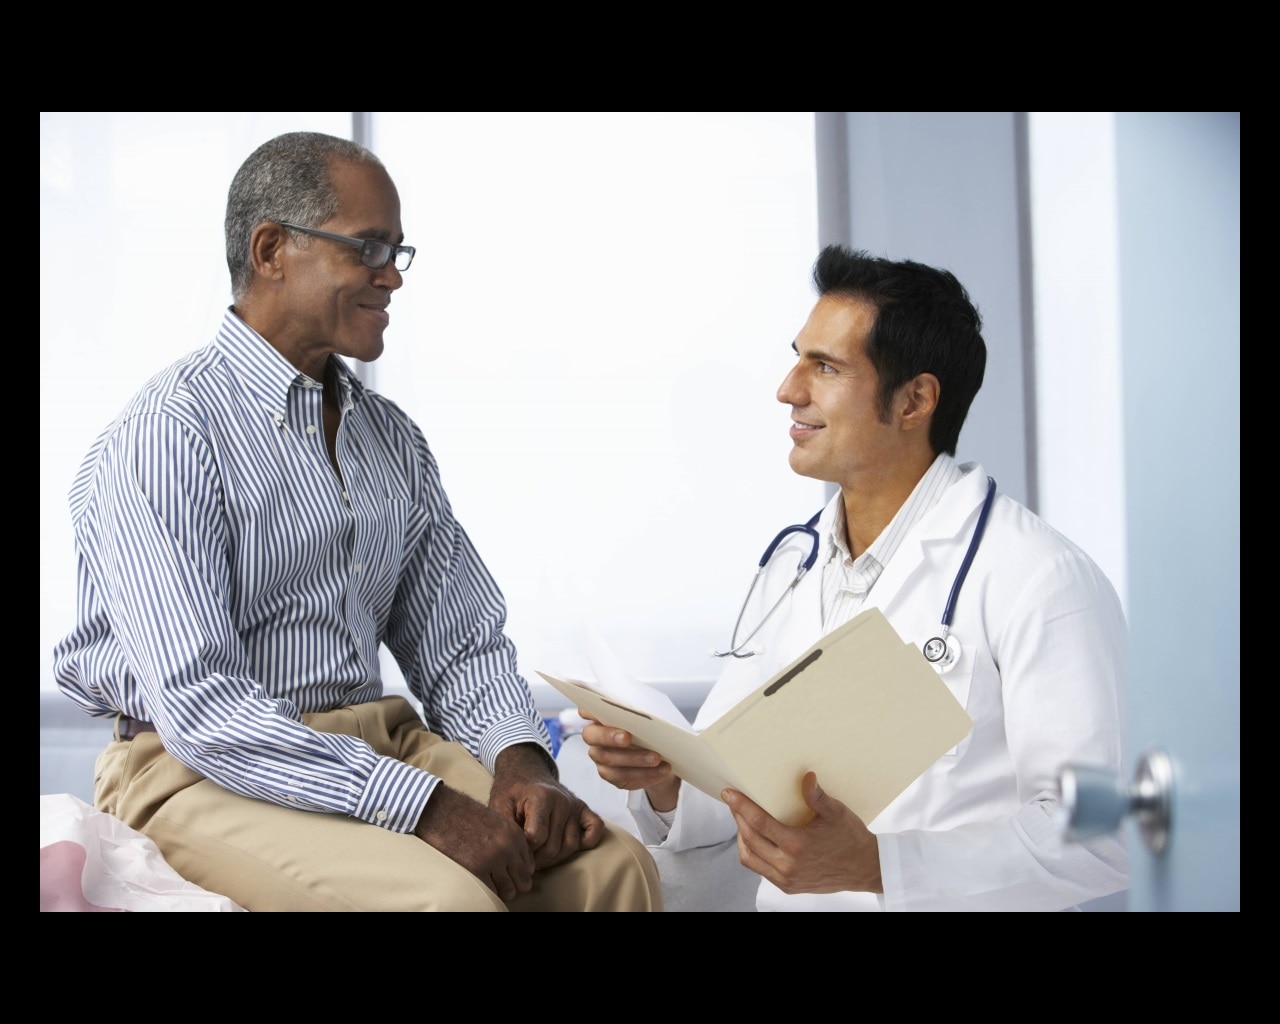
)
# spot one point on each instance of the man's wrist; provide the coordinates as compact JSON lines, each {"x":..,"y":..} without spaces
{"x":527,"y":754}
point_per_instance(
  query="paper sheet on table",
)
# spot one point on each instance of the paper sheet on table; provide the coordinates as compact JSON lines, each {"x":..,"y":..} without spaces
{"x":861,"y":708}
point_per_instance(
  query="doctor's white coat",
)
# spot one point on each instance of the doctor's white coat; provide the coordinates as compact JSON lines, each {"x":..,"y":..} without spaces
{"x":1041,"y":673}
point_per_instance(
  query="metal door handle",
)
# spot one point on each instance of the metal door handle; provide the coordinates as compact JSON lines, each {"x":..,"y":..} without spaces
{"x":1094,"y":802}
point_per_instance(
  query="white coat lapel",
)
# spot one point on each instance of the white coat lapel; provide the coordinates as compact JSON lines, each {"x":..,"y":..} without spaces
{"x":943,"y":523}
{"x":808,"y":605}
{"x":808,"y":602}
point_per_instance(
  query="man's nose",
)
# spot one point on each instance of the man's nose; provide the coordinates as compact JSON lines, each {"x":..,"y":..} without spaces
{"x":389,"y":277}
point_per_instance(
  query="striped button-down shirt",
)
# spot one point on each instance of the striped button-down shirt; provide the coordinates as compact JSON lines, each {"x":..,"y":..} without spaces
{"x":230,"y":580}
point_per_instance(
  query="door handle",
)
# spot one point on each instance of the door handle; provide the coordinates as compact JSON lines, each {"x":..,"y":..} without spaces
{"x":1094,"y":802}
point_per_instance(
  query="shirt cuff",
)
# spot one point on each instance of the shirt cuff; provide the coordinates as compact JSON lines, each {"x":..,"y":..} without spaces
{"x":395,"y":796}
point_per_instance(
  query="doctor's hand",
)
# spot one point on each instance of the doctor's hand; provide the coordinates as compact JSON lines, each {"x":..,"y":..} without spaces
{"x":833,"y":852}
{"x":625,"y":766}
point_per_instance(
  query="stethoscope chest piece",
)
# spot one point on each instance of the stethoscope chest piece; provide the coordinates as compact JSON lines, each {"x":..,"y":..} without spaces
{"x":942,"y":653}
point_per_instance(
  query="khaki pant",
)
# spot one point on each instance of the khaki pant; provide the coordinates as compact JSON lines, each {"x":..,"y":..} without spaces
{"x":266,"y":857}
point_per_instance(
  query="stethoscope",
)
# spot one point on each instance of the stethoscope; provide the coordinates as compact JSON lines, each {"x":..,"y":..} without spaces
{"x":942,"y":651}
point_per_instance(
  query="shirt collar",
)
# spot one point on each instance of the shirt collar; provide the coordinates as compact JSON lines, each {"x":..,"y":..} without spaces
{"x":266,"y":373}
{"x":866,"y":568}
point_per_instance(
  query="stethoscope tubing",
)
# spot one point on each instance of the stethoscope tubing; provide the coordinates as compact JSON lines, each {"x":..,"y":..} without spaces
{"x":948,"y":613}
{"x":945,"y":646}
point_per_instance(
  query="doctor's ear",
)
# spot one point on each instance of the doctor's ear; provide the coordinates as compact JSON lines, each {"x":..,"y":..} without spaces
{"x":917,"y":399}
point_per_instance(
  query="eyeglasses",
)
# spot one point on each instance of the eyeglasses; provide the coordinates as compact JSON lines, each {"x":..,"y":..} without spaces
{"x":373,"y":253}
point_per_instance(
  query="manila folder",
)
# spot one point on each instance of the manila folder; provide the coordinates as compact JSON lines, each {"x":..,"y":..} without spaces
{"x":860,"y":708}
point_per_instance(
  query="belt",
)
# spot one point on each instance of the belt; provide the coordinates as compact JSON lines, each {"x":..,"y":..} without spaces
{"x":127,"y":728}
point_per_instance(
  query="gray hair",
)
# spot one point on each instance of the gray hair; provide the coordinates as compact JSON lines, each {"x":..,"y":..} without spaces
{"x":285,"y":179}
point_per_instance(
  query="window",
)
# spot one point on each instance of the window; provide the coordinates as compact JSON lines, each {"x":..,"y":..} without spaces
{"x":591,"y":335}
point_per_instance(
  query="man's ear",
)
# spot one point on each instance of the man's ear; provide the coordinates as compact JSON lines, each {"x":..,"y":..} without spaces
{"x":266,"y":249}
{"x":917,"y":399}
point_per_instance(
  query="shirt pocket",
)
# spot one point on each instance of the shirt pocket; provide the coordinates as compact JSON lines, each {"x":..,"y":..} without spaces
{"x":381,"y":547}
{"x":959,"y":681}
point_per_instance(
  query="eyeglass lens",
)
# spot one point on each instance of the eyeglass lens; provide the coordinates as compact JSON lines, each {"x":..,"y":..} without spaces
{"x":375,"y":255}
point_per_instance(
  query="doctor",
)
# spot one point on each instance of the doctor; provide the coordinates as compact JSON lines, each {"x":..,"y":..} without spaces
{"x":1031,"y":641}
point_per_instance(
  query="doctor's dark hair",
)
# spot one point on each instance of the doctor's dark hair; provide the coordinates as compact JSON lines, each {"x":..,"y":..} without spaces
{"x":925,"y":323}
{"x":284,"y":179}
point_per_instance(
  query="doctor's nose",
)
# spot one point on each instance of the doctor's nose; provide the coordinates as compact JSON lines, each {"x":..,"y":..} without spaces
{"x":789,"y":391}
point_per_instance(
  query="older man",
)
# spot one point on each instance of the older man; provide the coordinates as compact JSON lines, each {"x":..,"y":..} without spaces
{"x":250,"y":530}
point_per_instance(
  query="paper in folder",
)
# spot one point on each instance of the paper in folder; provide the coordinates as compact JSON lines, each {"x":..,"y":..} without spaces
{"x":861,"y":708}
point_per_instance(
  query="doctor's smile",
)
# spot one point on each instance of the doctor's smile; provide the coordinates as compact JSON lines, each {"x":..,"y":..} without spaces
{"x":800,"y":429}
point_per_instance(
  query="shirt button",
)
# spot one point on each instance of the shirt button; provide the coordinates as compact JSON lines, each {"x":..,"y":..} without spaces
{"x":357,"y":567}
{"x":381,"y":815}
{"x":311,"y":428}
